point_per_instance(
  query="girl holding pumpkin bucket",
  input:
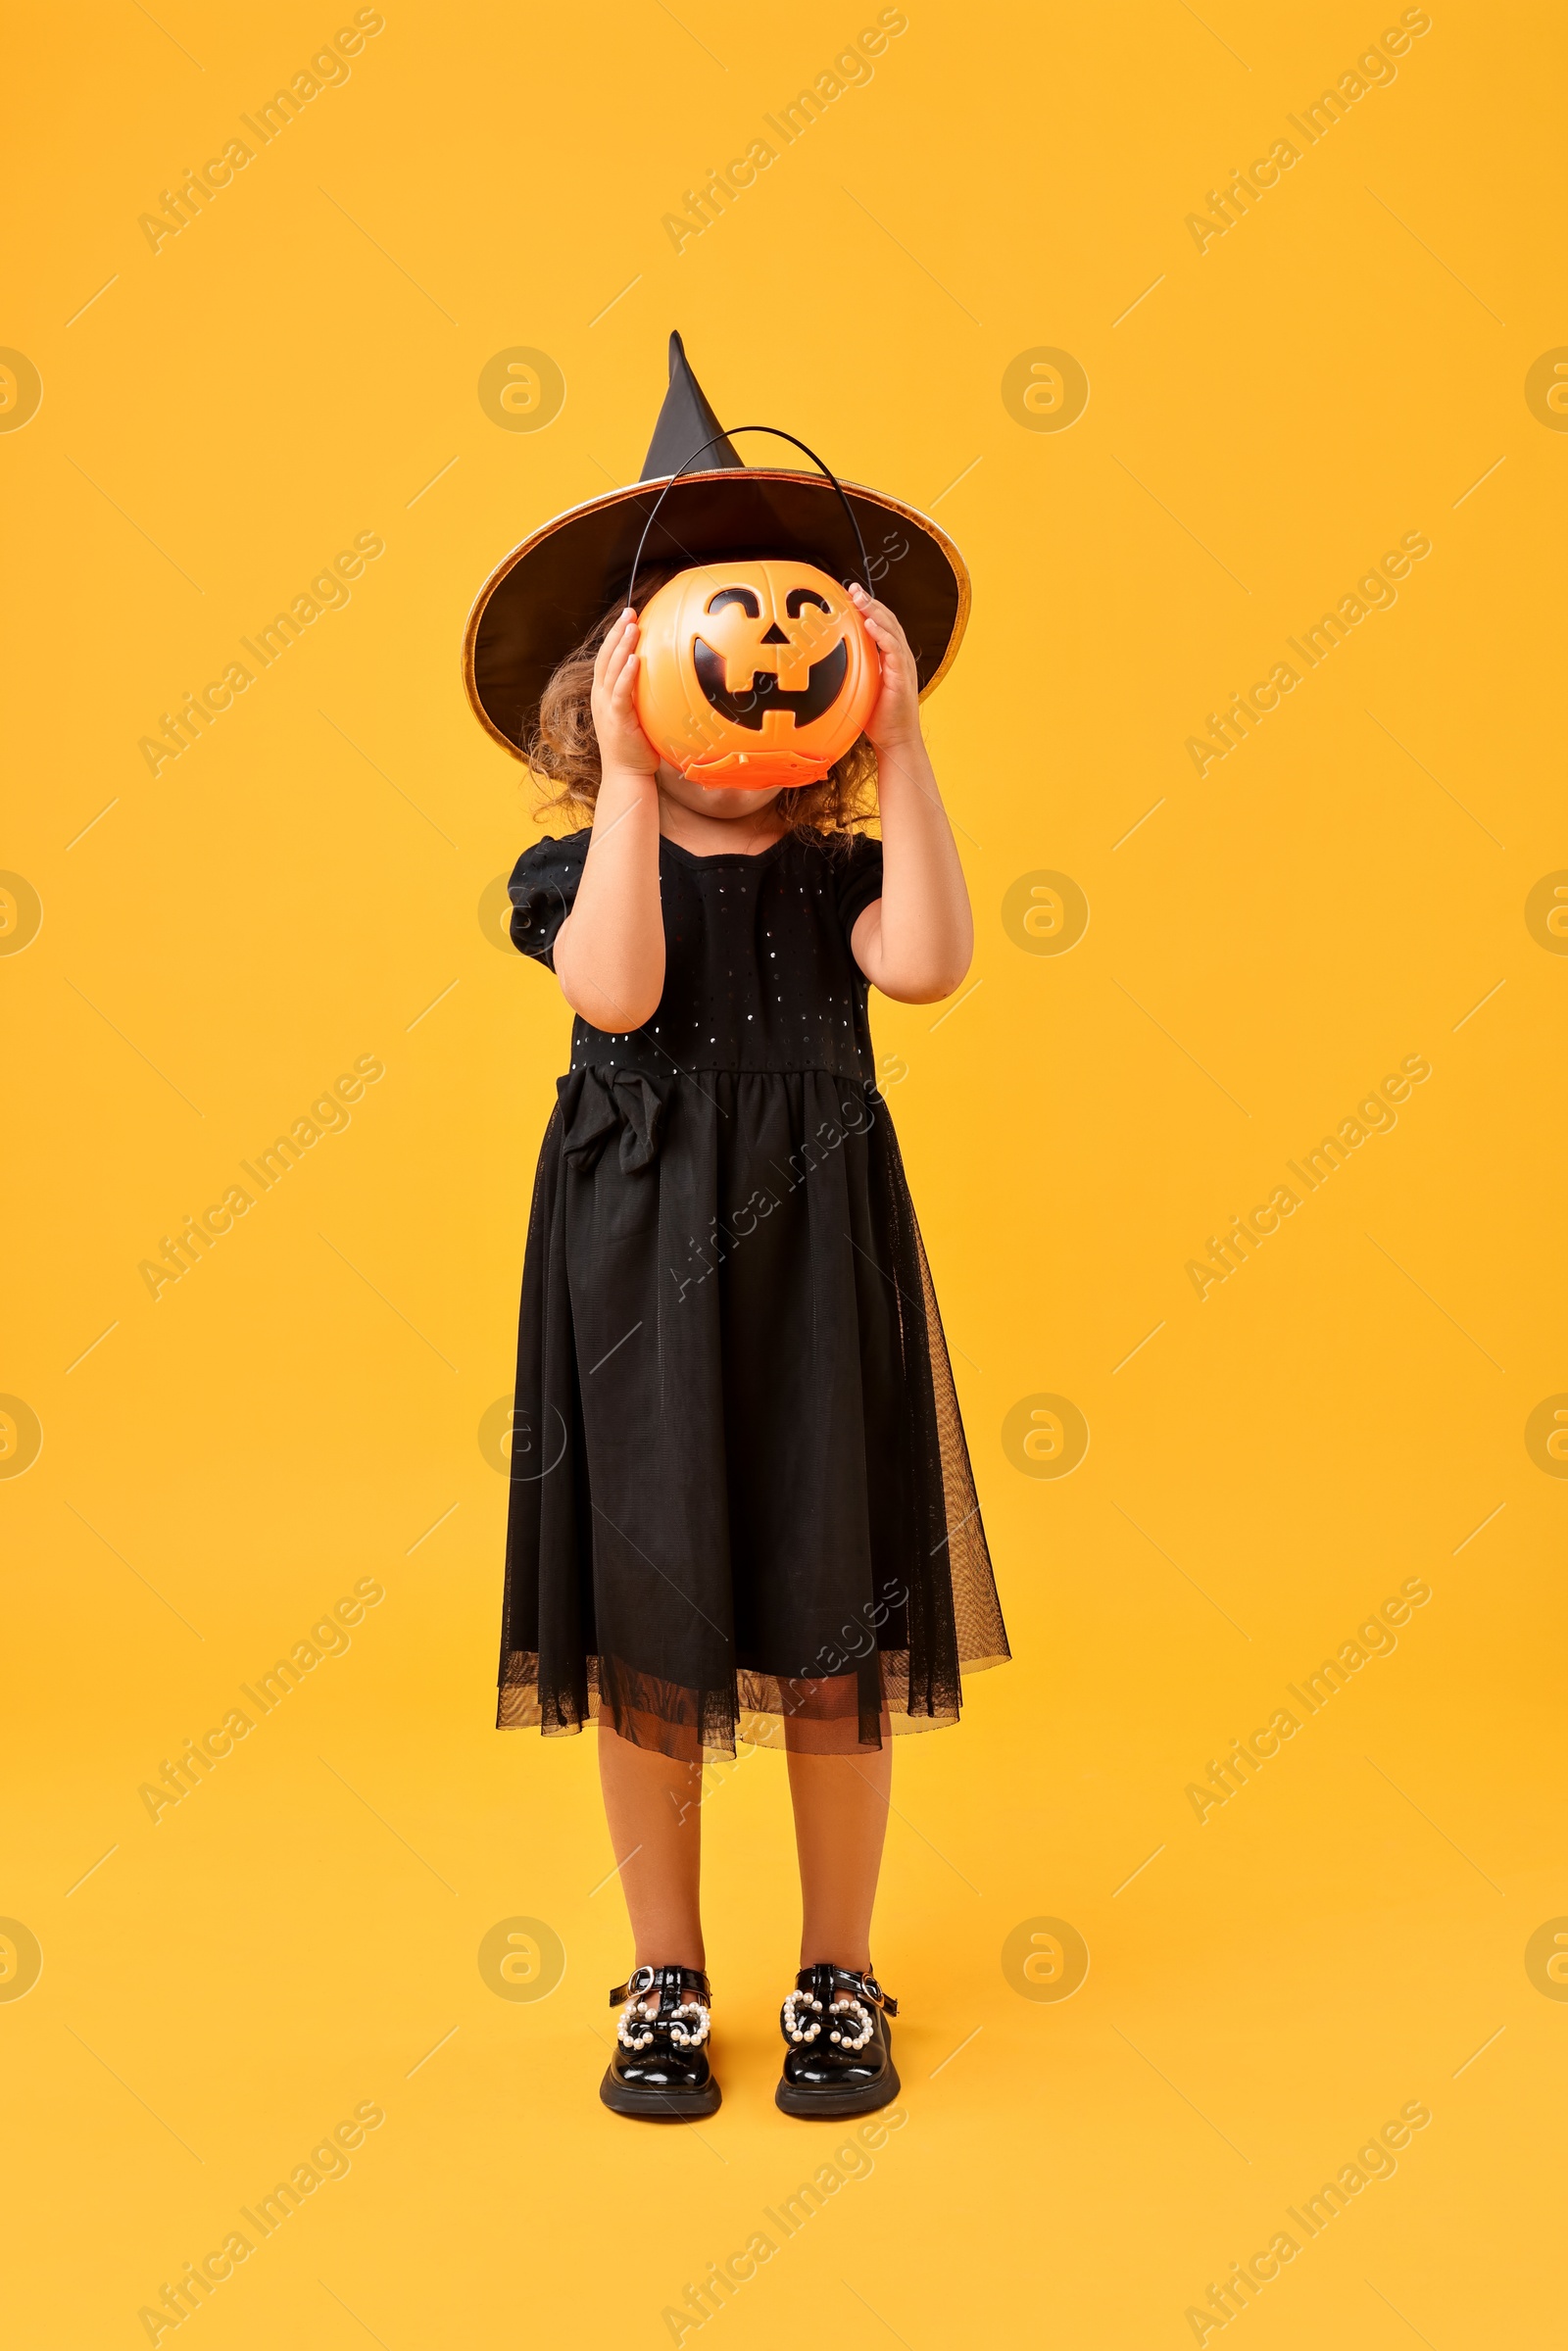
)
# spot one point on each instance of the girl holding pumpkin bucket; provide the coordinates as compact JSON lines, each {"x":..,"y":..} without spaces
{"x":740,"y":1488}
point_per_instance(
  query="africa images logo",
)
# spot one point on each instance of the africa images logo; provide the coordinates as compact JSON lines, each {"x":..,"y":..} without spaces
{"x":1375,"y":1114}
{"x":329,"y":69}
{"x":330,"y":1115}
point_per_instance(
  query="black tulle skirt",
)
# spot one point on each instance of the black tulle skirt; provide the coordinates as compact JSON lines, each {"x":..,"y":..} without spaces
{"x":741,"y":1494}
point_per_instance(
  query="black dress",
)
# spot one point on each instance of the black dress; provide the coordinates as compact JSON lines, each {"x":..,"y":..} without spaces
{"x":740,"y":1487}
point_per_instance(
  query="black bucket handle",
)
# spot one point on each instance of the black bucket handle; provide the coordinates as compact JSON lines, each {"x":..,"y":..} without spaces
{"x":779,"y":434}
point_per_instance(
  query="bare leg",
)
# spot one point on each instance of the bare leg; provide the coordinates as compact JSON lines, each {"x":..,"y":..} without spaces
{"x":841,"y":1817}
{"x":654,"y":1807}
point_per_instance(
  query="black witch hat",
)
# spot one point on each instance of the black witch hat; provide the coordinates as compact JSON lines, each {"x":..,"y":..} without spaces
{"x":699,"y":503}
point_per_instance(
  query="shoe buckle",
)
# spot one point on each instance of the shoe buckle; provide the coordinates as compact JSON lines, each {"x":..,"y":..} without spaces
{"x":640,"y":1979}
{"x":874,"y":1992}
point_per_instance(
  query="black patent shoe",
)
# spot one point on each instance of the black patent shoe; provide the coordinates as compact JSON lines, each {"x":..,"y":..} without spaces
{"x":837,"y":2061}
{"x":659,"y":2071}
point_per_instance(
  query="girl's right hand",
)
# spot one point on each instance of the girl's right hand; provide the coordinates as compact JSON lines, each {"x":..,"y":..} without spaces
{"x":623,"y":744}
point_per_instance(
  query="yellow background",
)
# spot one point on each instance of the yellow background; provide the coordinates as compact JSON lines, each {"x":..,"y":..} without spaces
{"x":298,"y":1413}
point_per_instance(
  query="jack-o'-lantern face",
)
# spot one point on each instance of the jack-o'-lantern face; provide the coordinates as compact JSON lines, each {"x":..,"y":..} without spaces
{"x":754,"y":676}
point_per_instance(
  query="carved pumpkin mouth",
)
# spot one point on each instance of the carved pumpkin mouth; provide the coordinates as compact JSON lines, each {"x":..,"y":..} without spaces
{"x":824,"y":682}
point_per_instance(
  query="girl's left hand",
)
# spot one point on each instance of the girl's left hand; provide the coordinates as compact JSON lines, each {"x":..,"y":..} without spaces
{"x":895,"y":721}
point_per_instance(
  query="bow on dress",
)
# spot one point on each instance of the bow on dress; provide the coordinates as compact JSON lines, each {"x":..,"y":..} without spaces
{"x":595,"y":1102}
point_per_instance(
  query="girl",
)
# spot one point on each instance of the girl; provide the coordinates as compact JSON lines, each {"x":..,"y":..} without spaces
{"x":739,"y":1485}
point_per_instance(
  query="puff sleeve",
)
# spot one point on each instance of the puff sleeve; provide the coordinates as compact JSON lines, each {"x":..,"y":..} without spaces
{"x":542,"y":890}
{"x":858,"y":880}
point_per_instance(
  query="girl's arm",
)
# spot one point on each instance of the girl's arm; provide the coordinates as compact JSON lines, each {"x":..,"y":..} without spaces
{"x":916,"y":942}
{"x":610,"y":952}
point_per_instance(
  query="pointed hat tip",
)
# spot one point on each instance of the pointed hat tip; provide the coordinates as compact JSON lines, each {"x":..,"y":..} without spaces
{"x":687,"y":428}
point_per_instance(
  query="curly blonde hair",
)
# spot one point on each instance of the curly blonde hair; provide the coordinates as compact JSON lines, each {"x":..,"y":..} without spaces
{"x":564,"y":749}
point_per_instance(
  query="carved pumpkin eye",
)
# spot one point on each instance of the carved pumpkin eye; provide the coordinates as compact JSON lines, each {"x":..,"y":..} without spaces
{"x":743,"y":597}
{"x":798,"y":599}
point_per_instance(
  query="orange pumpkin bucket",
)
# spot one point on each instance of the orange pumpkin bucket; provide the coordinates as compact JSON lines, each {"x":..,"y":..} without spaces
{"x":754,"y":676}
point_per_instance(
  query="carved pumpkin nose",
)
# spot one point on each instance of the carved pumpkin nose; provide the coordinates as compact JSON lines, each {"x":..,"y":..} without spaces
{"x":775,"y":635}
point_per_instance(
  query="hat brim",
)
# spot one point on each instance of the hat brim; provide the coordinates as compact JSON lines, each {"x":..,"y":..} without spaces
{"x":549,"y":592}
